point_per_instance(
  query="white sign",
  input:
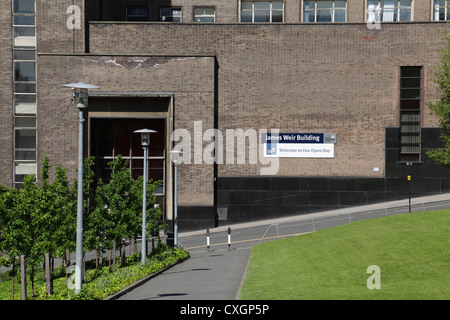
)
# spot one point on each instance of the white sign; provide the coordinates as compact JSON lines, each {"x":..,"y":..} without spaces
{"x":303,"y":150}
{"x":299,"y":145}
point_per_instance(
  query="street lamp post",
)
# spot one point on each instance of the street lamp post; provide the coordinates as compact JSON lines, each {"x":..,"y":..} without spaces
{"x":409,"y":164}
{"x":175,"y":155}
{"x":145,"y":142}
{"x":80,"y":96}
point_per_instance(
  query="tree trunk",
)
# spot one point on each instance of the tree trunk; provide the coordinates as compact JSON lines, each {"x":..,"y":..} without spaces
{"x":67,"y":262}
{"x":101,"y":256}
{"x":110,"y":258}
{"x":23,"y":277}
{"x":48,"y":274}
{"x":114,"y":256}
{"x":84,"y":269}
{"x":13,"y":273}
{"x":32,"y":280}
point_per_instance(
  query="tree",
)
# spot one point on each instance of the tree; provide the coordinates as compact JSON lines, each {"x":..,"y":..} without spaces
{"x":19,"y":226}
{"x":119,"y":205}
{"x":441,"y":108}
{"x":37,"y":219}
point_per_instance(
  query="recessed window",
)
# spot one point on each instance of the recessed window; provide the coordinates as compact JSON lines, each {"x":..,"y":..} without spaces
{"x":22,"y":20}
{"x":170,"y":14}
{"x":204,"y":15}
{"x":24,"y":37}
{"x":389,"y":10}
{"x":24,"y":71}
{"x":25,"y":87}
{"x":324,"y":11}
{"x":268,"y":11}
{"x":410,"y":102}
{"x":25,"y":122}
{"x":24,"y":6}
{"x":137,"y":14}
{"x":22,"y":169}
{"x":25,"y":55}
{"x":441,"y":10}
{"x":25,"y":104}
{"x":25,"y":138}
{"x":111,"y":137}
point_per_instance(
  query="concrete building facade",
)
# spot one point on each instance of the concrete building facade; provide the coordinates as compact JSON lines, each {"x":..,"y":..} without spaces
{"x":216,"y":79}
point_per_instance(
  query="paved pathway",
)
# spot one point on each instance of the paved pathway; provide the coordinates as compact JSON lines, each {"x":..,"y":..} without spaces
{"x":217,"y":274}
{"x":214,"y":275}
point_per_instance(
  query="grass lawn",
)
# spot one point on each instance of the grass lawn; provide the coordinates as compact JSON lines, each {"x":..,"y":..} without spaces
{"x":412,"y":251}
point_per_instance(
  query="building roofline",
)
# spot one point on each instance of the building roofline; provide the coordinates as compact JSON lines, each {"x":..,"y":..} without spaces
{"x":265,"y":23}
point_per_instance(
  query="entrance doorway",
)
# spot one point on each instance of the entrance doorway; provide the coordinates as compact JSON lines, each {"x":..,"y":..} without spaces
{"x":111,"y":137}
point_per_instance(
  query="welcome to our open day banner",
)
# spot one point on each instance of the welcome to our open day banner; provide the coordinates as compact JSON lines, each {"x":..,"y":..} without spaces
{"x":299,"y":145}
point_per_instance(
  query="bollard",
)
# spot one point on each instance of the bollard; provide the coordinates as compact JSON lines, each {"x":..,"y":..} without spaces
{"x":229,"y":239}
{"x":207,"y":240}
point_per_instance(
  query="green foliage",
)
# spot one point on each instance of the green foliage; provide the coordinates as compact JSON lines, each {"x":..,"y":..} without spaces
{"x":118,"y":211}
{"x":42,"y":218}
{"x":100,"y":282}
{"x":441,"y":108}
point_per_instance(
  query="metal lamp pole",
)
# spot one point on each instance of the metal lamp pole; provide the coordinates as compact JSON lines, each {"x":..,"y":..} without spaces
{"x":80,"y":95}
{"x":175,"y":156}
{"x":409,"y":164}
{"x":145,"y":141}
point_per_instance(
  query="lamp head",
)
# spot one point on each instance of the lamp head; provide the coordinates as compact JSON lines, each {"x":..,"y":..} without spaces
{"x":145,"y":136}
{"x":175,"y":156}
{"x":80,"y":93}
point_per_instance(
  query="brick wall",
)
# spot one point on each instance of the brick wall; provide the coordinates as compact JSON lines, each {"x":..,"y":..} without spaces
{"x":300,"y":78}
{"x":52,"y":32}
{"x":193,"y":100}
{"x":6,"y":99}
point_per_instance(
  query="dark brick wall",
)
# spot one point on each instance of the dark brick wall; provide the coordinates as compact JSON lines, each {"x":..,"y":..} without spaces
{"x":254,"y":198}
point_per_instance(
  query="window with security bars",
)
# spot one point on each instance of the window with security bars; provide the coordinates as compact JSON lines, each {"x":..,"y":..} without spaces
{"x":410,"y":105}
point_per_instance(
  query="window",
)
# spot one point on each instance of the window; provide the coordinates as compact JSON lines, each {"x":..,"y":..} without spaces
{"x":24,"y":83}
{"x":111,"y":137}
{"x":170,"y":14}
{"x":441,"y":10}
{"x":24,"y":71}
{"x":389,"y":10}
{"x":204,"y":15}
{"x":22,"y":169}
{"x":25,"y":138}
{"x":137,"y":14}
{"x":24,"y":76}
{"x":24,"y":24}
{"x":324,"y":11}
{"x":410,"y":101}
{"x":23,"y":6}
{"x":252,"y":11}
{"x":25,"y":104}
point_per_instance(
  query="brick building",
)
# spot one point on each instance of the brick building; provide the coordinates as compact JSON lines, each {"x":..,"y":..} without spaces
{"x":355,"y":74}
